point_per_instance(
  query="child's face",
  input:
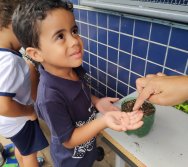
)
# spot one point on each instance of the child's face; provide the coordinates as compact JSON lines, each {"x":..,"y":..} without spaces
{"x":60,"y":45}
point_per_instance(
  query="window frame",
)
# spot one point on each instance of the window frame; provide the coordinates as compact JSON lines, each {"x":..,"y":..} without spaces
{"x":172,"y":12}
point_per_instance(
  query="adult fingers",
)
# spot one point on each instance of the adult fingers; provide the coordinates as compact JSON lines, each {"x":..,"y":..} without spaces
{"x":144,"y":95}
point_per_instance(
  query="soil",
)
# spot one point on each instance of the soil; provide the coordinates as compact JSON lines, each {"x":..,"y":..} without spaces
{"x":146,"y":107}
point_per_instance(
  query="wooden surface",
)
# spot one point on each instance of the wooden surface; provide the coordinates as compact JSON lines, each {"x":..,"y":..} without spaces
{"x":165,"y":146}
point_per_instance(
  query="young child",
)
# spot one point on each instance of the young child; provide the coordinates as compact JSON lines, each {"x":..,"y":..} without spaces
{"x":48,"y":32}
{"x":17,"y":116}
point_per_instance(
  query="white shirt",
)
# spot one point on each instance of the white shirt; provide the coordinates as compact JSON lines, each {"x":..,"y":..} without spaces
{"x":14,"y":82}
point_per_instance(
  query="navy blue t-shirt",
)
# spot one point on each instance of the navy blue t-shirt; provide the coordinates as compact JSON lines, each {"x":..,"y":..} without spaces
{"x":64,"y":105}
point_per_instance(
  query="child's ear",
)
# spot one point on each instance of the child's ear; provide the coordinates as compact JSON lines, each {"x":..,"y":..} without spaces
{"x":34,"y":54}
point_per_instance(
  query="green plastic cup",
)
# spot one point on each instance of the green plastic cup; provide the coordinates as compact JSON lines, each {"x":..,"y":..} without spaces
{"x":148,"y":118}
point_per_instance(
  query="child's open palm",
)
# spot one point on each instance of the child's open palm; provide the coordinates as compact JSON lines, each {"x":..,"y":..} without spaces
{"x":122,"y":121}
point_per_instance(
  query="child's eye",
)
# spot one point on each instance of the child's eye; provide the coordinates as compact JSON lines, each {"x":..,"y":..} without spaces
{"x":60,"y":36}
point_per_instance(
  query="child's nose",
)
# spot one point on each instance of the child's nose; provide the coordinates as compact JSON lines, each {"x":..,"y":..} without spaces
{"x":74,"y":40}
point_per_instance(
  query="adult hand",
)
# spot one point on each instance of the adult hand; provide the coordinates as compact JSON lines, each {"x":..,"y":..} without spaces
{"x":162,"y":90}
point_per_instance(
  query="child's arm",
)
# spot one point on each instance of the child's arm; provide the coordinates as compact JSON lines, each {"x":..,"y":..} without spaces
{"x":116,"y":120}
{"x":104,"y":104}
{"x":11,"y":108}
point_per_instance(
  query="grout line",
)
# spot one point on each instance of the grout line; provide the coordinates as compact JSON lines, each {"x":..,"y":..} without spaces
{"x":166,"y":54}
{"x":147,"y":50}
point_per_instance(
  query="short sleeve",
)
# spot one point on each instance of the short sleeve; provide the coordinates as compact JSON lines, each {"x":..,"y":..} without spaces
{"x":58,"y":120}
{"x":12,"y":76}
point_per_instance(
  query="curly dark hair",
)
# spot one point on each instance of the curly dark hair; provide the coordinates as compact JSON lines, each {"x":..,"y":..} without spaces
{"x":7,"y":8}
{"x":28,"y":16}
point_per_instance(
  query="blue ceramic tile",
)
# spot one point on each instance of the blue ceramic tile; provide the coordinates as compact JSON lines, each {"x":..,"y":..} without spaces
{"x":86,"y":57}
{"x":83,"y":15}
{"x":102,"y":64}
{"x":86,"y":67}
{"x":93,"y":47}
{"x":176,"y":60}
{"x":114,"y":22}
{"x":102,"y":35}
{"x":112,"y":55}
{"x":140,"y":48}
{"x":112,"y":69}
{"x":93,"y":60}
{"x":123,"y":75}
{"x":76,"y":14}
{"x":94,"y":83}
{"x":74,"y":2}
{"x":111,"y":82}
{"x":125,"y":43}
{"x":93,"y":92}
{"x":156,"y":53}
{"x":92,"y":17}
{"x":113,"y":39}
{"x":142,"y":29}
{"x":179,"y":38}
{"x":102,"y":77}
{"x":102,"y":89}
{"x":120,"y":96}
{"x":93,"y":32}
{"x":79,"y":26}
{"x":102,"y":50}
{"x":102,"y":20}
{"x":127,"y":25}
{"x":124,"y":60}
{"x":153,"y":68}
{"x":133,"y":78}
{"x":85,"y":42}
{"x":131,"y":90}
{"x":170,"y":72}
{"x":138,"y":65}
{"x":93,"y":72}
{"x":111,"y":93}
{"x":160,"y":33}
{"x":122,"y":89}
{"x":84,"y":29}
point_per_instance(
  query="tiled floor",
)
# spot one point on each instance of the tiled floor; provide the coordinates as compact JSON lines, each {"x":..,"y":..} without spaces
{"x":108,"y":161}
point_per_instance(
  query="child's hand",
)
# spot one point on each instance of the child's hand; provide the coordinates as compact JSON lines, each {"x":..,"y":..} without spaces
{"x":106,"y":104}
{"x":122,"y":121}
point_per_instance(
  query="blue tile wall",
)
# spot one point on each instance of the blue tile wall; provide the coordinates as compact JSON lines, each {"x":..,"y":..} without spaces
{"x":119,"y":49}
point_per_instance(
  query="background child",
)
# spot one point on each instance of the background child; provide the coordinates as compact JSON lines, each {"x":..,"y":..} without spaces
{"x":63,"y":98}
{"x":17,"y":116}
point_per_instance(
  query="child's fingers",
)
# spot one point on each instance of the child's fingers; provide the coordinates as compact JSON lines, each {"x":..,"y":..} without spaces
{"x":115,"y":108}
{"x":112,"y":99}
{"x":134,"y":114}
{"x":135,"y":126}
{"x":124,"y":119}
{"x":136,"y":118}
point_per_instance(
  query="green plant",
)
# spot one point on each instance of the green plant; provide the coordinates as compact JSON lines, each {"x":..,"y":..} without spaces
{"x":183,"y":107}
